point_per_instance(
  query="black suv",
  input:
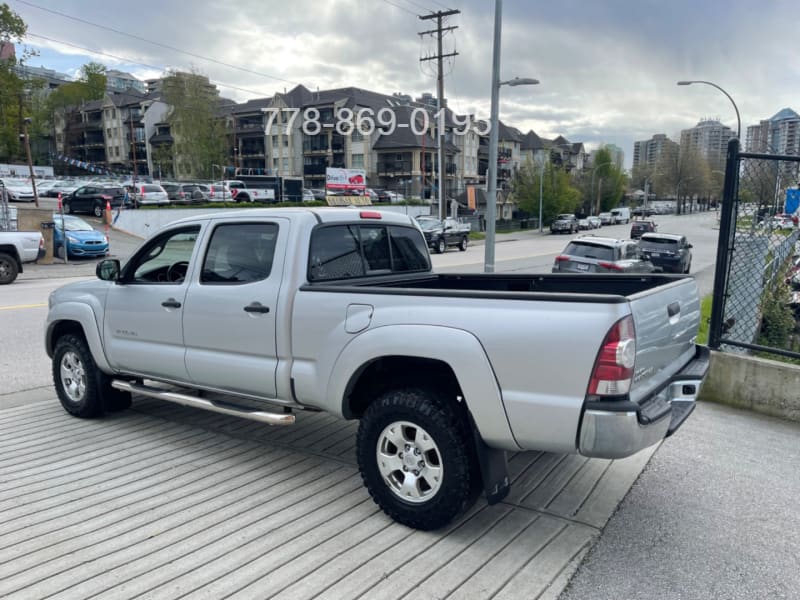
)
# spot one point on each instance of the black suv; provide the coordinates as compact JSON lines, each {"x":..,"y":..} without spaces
{"x":93,"y":198}
{"x":642,"y":226}
{"x":669,"y":251}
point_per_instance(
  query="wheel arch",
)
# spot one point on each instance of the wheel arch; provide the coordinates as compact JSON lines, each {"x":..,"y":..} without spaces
{"x":447,"y":359}
{"x":78,"y":319}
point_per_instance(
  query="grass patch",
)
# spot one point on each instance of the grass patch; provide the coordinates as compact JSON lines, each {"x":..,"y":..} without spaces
{"x":477,"y":235}
{"x":705,"y":319}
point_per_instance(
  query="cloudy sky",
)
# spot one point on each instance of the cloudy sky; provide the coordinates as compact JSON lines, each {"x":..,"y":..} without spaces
{"x":607,"y":68}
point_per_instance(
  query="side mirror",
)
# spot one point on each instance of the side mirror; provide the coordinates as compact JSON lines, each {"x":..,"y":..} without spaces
{"x":108,"y":269}
{"x":689,"y":246}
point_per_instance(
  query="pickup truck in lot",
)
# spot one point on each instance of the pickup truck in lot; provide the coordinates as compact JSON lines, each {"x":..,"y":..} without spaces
{"x":17,"y":248}
{"x":338,"y":310}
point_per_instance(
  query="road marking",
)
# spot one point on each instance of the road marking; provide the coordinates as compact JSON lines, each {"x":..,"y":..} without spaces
{"x":23,"y":306}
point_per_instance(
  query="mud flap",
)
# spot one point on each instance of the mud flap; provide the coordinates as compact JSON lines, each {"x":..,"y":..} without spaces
{"x":494,"y":468}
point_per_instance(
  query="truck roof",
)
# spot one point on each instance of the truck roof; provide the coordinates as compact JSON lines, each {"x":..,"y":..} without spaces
{"x":321,"y":214}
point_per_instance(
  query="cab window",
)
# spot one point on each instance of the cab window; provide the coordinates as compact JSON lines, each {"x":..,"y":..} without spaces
{"x":165,"y":259}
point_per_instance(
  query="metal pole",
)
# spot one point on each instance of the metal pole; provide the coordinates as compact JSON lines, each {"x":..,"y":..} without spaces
{"x":30,"y":161}
{"x":491,"y":199}
{"x":541,"y":186}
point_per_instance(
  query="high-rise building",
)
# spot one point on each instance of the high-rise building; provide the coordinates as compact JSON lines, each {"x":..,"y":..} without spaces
{"x":647,"y":152}
{"x":709,"y":138}
{"x":120,"y":81}
{"x":778,"y":135}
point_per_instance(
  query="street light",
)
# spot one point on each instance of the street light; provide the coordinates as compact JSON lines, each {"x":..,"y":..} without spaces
{"x":714,"y":85}
{"x":491,"y":200}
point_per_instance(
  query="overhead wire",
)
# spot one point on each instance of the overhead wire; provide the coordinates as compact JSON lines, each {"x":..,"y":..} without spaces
{"x":155,"y":43}
{"x":131,"y":61}
{"x":402,"y":8}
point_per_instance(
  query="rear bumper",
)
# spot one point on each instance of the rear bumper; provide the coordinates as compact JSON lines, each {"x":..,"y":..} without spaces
{"x":620,"y":428}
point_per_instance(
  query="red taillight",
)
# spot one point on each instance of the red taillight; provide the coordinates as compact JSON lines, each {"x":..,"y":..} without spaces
{"x":41,"y":243}
{"x":561,"y":258}
{"x":142,"y":190}
{"x":182,"y":195}
{"x":369,"y":214}
{"x":212,"y":190}
{"x":613,"y":369}
{"x":610,"y":266}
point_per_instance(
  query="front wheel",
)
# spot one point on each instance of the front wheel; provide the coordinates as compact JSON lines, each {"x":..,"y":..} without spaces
{"x":463,"y":245}
{"x":441,"y":246}
{"x":416,"y":459}
{"x":8,"y":268}
{"x":84,"y":390}
{"x":67,"y":207}
{"x":98,"y":210}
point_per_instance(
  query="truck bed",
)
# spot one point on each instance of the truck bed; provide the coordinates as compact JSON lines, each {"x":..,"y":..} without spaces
{"x":554,"y":287}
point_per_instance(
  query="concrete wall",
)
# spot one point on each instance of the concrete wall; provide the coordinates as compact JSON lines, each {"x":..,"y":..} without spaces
{"x":757,"y":384}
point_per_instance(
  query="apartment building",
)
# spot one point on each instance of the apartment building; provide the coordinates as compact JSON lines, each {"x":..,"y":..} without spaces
{"x":646,"y":153}
{"x":779,"y":134}
{"x":709,"y":139}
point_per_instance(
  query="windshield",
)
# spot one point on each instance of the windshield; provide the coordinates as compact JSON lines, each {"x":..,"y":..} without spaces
{"x":428,"y":224}
{"x":585,"y":250}
{"x":72,"y":224}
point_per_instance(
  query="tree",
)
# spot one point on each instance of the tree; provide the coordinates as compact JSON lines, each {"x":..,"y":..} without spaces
{"x":12,"y":86}
{"x":558,"y":193}
{"x":606,"y":183}
{"x":197,"y":129}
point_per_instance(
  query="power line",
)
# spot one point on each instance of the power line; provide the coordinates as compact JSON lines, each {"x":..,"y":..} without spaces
{"x":136,"y":62}
{"x":425,"y":8}
{"x":440,"y":4}
{"x":401,"y":8}
{"x":168,"y":47}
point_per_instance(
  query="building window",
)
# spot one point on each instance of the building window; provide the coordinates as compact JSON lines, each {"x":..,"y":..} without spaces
{"x":357,"y":161}
{"x":357,"y":136}
{"x":285,"y":164}
{"x":275,"y":141}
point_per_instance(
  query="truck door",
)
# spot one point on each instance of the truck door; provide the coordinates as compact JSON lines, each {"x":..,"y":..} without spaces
{"x":143,"y":329}
{"x":232,"y":308}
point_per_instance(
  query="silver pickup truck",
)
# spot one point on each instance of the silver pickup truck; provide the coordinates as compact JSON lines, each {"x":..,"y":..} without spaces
{"x":16,"y":249}
{"x":338,"y":310}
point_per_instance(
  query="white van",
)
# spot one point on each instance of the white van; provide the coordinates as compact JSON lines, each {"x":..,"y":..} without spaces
{"x":621,"y":215}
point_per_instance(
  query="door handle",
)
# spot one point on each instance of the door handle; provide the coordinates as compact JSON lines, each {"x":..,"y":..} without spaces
{"x":673,"y":309}
{"x":256,"y":307}
{"x":171,"y":303}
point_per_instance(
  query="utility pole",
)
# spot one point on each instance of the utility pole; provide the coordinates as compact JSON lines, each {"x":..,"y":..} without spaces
{"x":27,"y":141}
{"x":439,"y":57}
{"x":133,"y":146}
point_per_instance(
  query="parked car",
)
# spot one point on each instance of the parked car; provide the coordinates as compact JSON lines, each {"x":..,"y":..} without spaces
{"x":595,"y":222}
{"x":670,"y":252}
{"x":19,"y":190}
{"x":439,"y":235}
{"x":606,"y":218}
{"x":564,"y":223}
{"x":621,"y":215}
{"x":319,"y":194}
{"x":781,"y":222}
{"x":220,"y":192}
{"x":94,"y":198}
{"x":186,"y":193}
{"x":394,"y":197}
{"x":641,"y":226}
{"x":584,"y":224}
{"x":308,"y":196}
{"x":593,"y":254}
{"x":150,"y":194}
{"x":81,"y":238}
{"x":343,"y":314}
{"x":16,"y":249}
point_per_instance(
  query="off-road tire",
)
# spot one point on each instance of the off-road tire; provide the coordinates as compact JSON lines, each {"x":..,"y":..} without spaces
{"x":9,"y":269}
{"x":448,"y":427}
{"x":73,"y":361}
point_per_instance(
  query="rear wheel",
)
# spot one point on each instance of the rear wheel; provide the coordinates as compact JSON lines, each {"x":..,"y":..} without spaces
{"x":416,"y":459}
{"x":8,"y":268}
{"x":60,"y":251}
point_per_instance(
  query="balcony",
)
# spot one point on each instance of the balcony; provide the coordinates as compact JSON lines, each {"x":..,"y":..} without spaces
{"x":315,"y":148}
{"x":401,"y":167}
{"x":250,"y":128}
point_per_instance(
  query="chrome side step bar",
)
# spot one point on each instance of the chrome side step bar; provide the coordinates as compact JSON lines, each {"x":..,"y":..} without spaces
{"x":195,"y":402}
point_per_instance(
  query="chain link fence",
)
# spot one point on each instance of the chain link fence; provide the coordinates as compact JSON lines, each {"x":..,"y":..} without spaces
{"x":756,"y":305}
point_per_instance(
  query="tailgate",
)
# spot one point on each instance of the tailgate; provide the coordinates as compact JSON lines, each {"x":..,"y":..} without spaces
{"x":666,"y":320}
